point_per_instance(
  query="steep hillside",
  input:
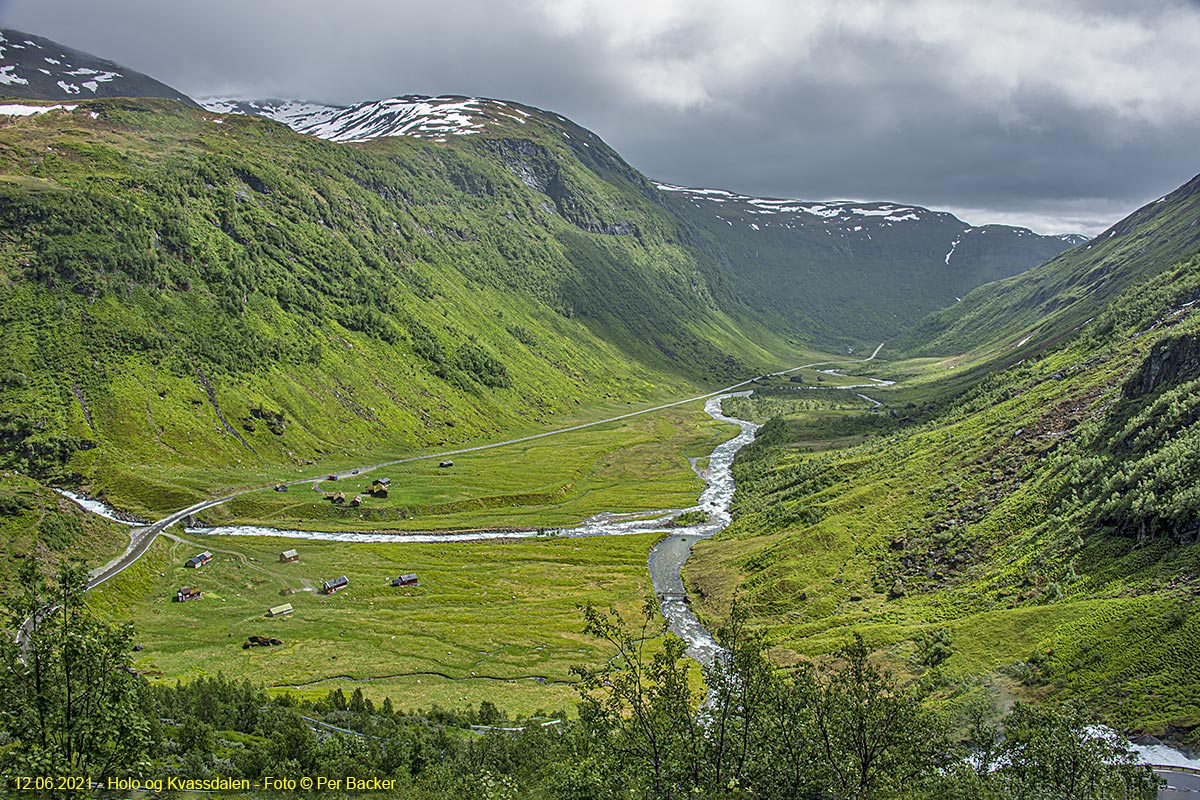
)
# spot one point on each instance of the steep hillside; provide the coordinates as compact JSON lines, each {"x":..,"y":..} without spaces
{"x":854,"y":272}
{"x":190,"y":298}
{"x":1066,"y":292}
{"x":37,"y":68}
{"x":1036,"y":536}
{"x":838,"y":273}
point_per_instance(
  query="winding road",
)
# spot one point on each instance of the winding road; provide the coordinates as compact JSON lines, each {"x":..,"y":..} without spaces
{"x":142,"y":538}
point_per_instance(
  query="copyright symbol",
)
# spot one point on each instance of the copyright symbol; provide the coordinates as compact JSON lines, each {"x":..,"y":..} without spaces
{"x":306,"y":783}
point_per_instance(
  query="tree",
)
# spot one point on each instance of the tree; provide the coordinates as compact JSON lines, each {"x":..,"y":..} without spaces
{"x":875,"y":738}
{"x":643,"y":709}
{"x":69,"y":698}
{"x":1057,"y":753}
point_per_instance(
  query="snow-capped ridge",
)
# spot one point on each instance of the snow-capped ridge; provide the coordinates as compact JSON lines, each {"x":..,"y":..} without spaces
{"x":37,"y":68}
{"x":850,"y":215}
{"x":409,"y":115}
{"x":845,"y":218}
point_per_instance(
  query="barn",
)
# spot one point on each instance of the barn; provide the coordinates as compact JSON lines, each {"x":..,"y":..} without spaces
{"x":280,"y":611}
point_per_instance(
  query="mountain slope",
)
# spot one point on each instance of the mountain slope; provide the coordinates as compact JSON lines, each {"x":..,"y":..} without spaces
{"x":848,"y":272}
{"x":838,"y":272}
{"x":225,"y":296}
{"x":1050,"y":300}
{"x":38,"y":68}
{"x":1034,"y":536}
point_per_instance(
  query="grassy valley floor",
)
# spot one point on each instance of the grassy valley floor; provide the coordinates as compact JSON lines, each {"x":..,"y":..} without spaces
{"x":946,"y":534}
{"x":494,"y":621}
{"x":497,"y":620}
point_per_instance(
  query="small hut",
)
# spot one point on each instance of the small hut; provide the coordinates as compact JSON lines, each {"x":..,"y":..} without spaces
{"x":356,"y":501}
{"x":280,"y":611}
{"x":281,"y":487}
{"x":405,"y":580}
{"x":338,"y":498}
{"x":446,"y":464}
{"x":335,"y":585}
{"x":288,"y":556}
{"x":382,"y":482}
{"x":187,"y":593}
{"x":195,"y":562}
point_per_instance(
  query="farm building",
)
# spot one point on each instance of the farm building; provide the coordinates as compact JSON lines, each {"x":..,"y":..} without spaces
{"x":195,"y":562}
{"x":288,"y":556}
{"x":337,"y":498}
{"x":280,"y":611}
{"x":281,"y":487}
{"x":382,"y":482}
{"x":379,"y":490}
{"x":187,"y":593}
{"x":405,"y":580}
{"x":335,"y":585}
{"x":357,"y":501}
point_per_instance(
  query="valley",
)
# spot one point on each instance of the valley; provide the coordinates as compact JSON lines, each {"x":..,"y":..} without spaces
{"x":474,"y":421}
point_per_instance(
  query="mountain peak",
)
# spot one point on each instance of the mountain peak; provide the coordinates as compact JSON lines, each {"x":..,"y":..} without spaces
{"x":37,"y":68}
{"x":408,"y":115}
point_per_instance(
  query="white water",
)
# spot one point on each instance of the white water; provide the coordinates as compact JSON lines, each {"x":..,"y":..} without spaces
{"x":666,"y":558}
{"x":96,"y":507}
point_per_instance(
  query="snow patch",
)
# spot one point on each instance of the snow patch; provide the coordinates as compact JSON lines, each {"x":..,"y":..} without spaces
{"x":953,"y":245}
{"x":8,"y":78}
{"x":15,"y":110}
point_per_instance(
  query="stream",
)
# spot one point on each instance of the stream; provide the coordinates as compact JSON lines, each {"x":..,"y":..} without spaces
{"x":666,"y":558}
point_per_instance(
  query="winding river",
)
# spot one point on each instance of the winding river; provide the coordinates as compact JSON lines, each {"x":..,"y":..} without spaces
{"x":666,"y":558}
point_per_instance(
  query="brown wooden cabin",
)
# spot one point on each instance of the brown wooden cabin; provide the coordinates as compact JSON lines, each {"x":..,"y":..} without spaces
{"x":337,"y":498}
{"x":405,"y":580}
{"x":335,"y":585}
{"x":187,"y":593}
{"x":357,"y":501}
{"x":195,"y":562}
{"x":288,"y":556}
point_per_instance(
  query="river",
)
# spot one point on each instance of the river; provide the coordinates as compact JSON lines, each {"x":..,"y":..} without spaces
{"x":666,"y":558}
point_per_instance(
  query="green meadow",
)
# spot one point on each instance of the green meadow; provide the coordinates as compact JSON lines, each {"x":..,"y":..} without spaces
{"x":635,"y":464}
{"x":497,"y":620}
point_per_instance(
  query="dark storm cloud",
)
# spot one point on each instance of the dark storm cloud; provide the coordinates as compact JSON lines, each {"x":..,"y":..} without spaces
{"x":1063,"y":117}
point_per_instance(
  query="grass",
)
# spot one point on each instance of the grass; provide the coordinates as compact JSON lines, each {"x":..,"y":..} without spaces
{"x":932,"y":514}
{"x":36,"y":522}
{"x":631,"y":465}
{"x":496,"y":610}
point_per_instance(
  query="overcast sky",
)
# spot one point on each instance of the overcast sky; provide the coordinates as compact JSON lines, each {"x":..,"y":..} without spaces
{"x":1063,"y":116}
